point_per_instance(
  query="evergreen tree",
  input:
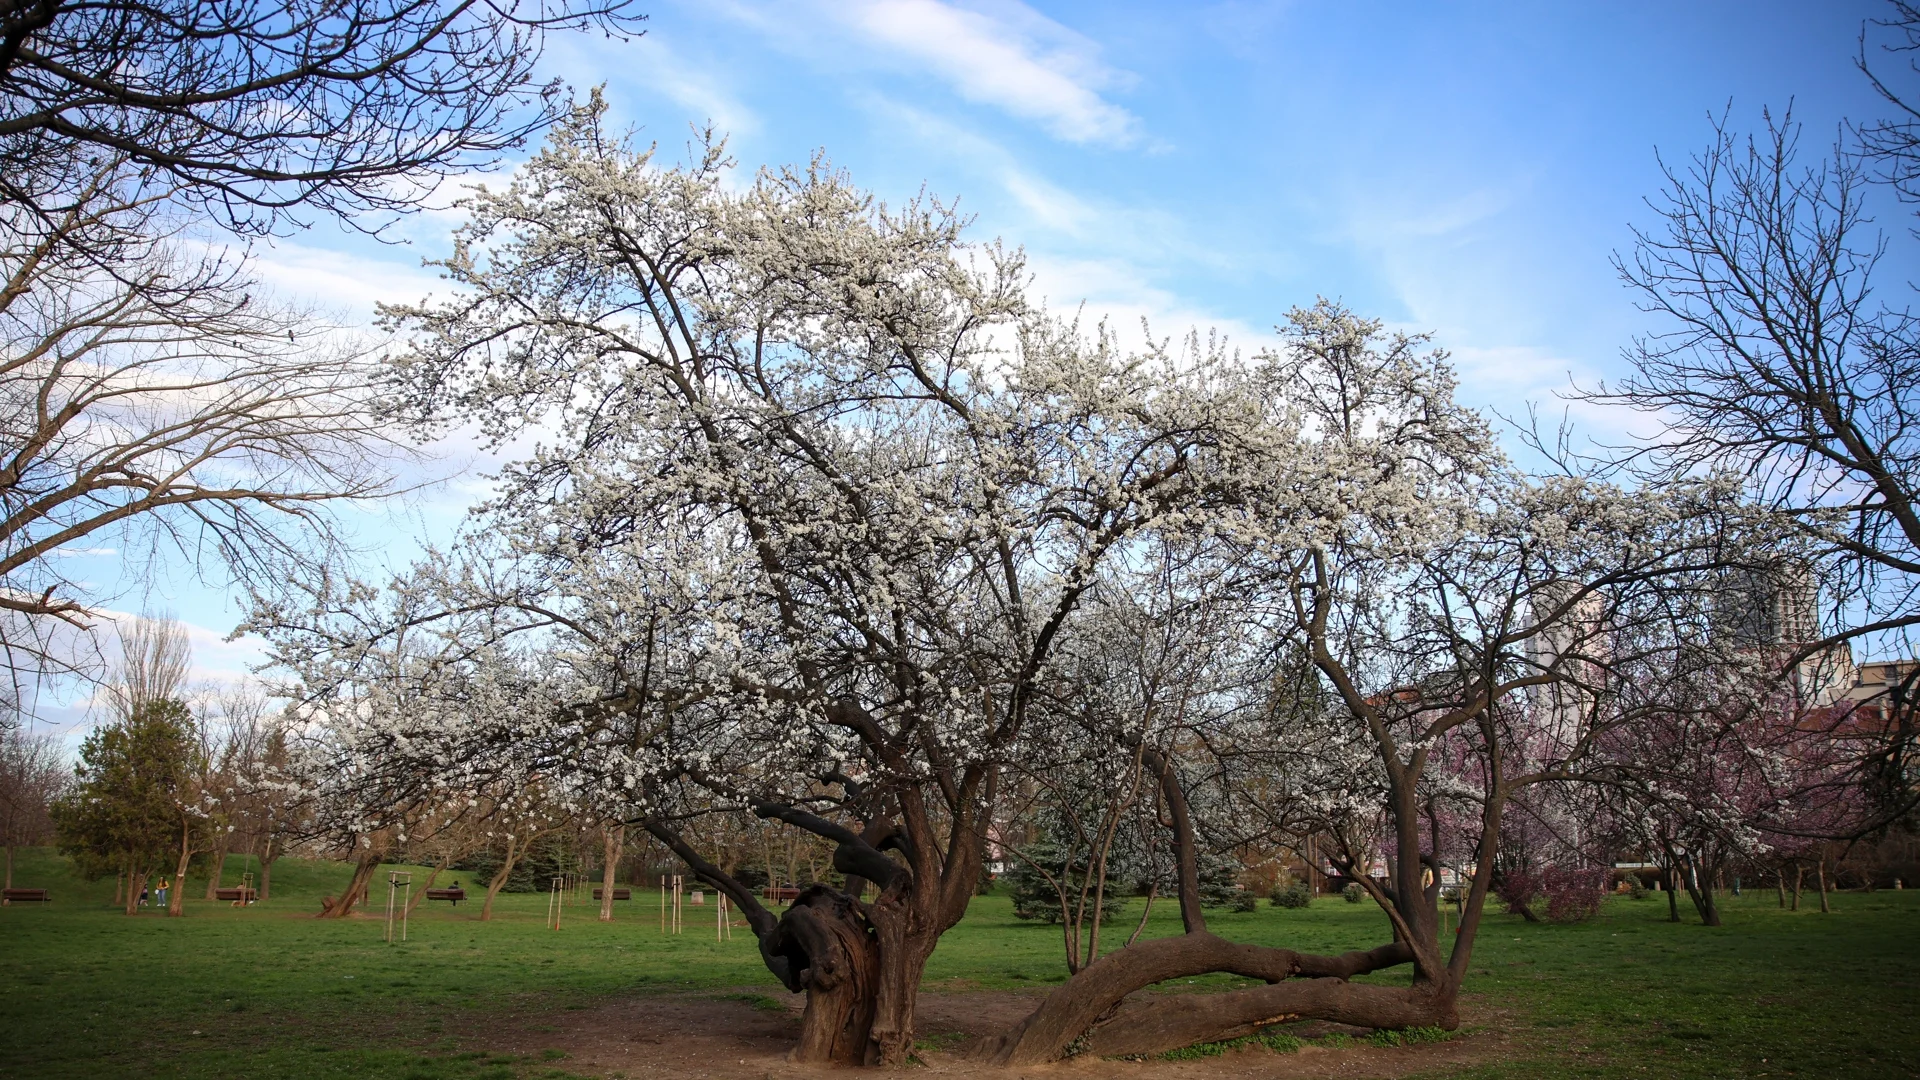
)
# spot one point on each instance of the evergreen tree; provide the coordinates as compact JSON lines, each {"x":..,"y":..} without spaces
{"x":1034,"y":897}
{"x":123,"y":812}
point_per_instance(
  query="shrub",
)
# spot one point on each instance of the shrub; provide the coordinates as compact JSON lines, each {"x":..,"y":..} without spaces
{"x":1636,"y":888}
{"x":1244,"y":901}
{"x":1353,"y":893}
{"x":1516,"y":889}
{"x":1574,"y":895}
{"x":1293,"y":894}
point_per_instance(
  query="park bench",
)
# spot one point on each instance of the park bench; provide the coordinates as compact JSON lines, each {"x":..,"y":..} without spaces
{"x":237,"y":895}
{"x":618,"y":894}
{"x":455,"y":895}
{"x":27,"y":896}
{"x":782,"y":893}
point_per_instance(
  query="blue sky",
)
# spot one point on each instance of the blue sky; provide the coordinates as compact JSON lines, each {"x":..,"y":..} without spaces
{"x":1461,"y":169}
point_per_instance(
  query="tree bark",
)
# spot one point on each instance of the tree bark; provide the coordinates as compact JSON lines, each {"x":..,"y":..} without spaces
{"x":831,"y":953}
{"x":905,"y":941}
{"x":499,"y":879}
{"x":860,"y":964}
{"x":267,"y":859}
{"x":1182,"y":1020}
{"x":356,"y":888}
{"x":1825,"y":908}
{"x":420,"y":893}
{"x":136,"y":881}
{"x":1780,"y":883}
{"x":1089,"y":1014}
{"x":216,"y":871}
{"x":1062,"y":1025}
{"x":1700,"y":891}
{"x":1799,"y":877}
{"x":616,"y":836}
{"x":177,"y":896}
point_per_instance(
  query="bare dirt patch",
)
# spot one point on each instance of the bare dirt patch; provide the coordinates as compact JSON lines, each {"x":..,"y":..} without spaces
{"x":744,"y":1035}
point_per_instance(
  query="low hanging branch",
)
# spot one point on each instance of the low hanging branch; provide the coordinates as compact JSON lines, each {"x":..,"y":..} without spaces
{"x":1087,"y":1013}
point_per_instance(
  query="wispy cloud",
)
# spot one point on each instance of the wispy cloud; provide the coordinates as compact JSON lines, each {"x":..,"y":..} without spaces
{"x":83,"y":553}
{"x":348,"y":284}
{"x":1007,"y":56}
{"x":666,"y":68}
{"x":1139,"y":314}
{"x":999,"y":53}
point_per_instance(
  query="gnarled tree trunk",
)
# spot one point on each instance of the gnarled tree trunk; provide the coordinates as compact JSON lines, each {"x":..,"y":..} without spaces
{"x":1090,"y":1013}
{"x":860,"y":964}
{"x":341,"y":907}
{"x":829,"y":951}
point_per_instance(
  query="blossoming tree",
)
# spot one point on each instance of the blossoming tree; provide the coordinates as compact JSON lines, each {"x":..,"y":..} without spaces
{"x":817,"y":509}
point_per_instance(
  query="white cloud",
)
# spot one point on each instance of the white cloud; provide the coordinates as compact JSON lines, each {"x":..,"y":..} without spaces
{"x":1014,"y":59}
{"x":999,"y":53}
{"x":1117,"y":291}
{"x":349,"y":284}
{"x":656,"y":64}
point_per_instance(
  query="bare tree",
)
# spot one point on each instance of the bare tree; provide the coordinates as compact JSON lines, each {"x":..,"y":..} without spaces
{"x":250,"y":109}
{"x":32,"y":774}
{"x":1782,"y":358}
{"x":154,"y":657}
{"x":1779,"y":364}
{"x":155,"y":403}
{"x":154,"y":391}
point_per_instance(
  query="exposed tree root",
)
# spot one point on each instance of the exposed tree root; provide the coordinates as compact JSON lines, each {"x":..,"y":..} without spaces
{"x":1168,"y":1023}
{"x":1092,"y":997}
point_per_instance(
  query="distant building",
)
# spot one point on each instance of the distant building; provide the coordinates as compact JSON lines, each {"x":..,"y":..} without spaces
{"x":1777,"y":610}
{"x":1879,"y":679}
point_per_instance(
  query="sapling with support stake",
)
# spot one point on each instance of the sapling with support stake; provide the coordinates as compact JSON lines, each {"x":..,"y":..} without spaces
{"x":399,"y":890}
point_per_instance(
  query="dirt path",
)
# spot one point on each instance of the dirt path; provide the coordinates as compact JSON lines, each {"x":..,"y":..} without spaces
{"x":745,"y":1036}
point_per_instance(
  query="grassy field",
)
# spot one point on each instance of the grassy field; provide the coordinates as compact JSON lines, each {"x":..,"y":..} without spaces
{"x":270,"y":992}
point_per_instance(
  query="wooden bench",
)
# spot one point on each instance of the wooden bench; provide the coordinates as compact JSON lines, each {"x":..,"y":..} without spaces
{"x":784,"y":894}
{"x":27,"y":896}
{"x":618,"y":894}
{"x":237,"y":895}
{"x":455,"y":895}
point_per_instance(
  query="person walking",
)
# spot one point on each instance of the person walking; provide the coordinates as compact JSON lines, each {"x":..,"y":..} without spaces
{"x":162,"y":891}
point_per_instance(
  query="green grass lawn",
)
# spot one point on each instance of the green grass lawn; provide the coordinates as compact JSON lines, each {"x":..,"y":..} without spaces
{"x":270,"y":991}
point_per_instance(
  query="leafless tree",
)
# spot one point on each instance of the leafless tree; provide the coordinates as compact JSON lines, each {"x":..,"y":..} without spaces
{"x":253,"y":109}
{"x":32,"y":773}
{"x":154,"y":657}
{"x":148,"y":387}
{"x":1782,"y":355}
{"x":150,"y":401}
